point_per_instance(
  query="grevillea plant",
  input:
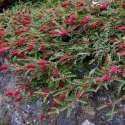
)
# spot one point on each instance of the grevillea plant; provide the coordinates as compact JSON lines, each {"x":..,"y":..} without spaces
{"x":65,"y":51}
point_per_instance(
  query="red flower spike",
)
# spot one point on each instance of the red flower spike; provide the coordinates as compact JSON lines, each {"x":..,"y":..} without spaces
{"x":61,"y":84}
{"x":108,"y":104}
{"x":119,"y":112}
{"x":86,"y":19}
{"x":56,"y":73}
{"x":17,"y":92}
{"x":106,"y":77}
{"x":123,"y":54}
{"x":1,"y":32}
{"x":42,"y":117}
{"x":18,"y":99}
{"x":114,"y":69}
{"x":54,"y":102}
{"x":43,"y":67}
{"x":72,"y":16}
{"x":25,"y":23}
{"x":43,"y":47}
{"x":4,"y":67}
{"x":20,"y":41}
{"x":79,"y":95}
{"x":46,"y":92}
{"x":103,"y":6}
{"x":79,"y":4}
{"x":24,"y":85}
{"x":63,"y":33}
{"x":9,"y":93}
{"x":123,"y":5}
{"x":30,"y":66}
{"x":62,"y":97}
{"x":29,"y":48}
{"x":122,"y":46}
{"x":31,"y":92}
{"x":15,"y":52}
{"x":121,"y":74}
{"x":99,"y":79}
{"x":64,"y":58}
{"x":4,"y":49}
{"x":43,"y":62}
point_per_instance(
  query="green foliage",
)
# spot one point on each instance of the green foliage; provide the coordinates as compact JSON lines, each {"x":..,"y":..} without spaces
{"x":65,"y":51}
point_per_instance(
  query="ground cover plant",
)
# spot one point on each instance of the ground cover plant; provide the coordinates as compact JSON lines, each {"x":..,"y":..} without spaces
{"x":65,"y":51}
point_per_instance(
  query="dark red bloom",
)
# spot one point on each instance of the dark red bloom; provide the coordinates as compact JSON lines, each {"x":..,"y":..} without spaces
{"x":25,"y":22}
{"x":17,"y":92}
{"x":1,"y":32}
{"x":9,"y":93}
{"x":31,"y":92}
{"x":108,"y":104}
{"x":123,"y":5}
{"x":64,"y":58}
{"x":54,"y":102}
{"x":51,"y":24}
{"x":30,"y":66}
{"x":61,"y":84}
{"x":63,"y":33}
{"x":56,"y":73}
{"x":15,"y":52}
{"x":29,"y":48}
{"x":46,"y":92}
{"x":123,"y":54}
{"x":4,"y":49}
{"x":79,"y":4}
{"x":103,"y":6}
{"x":43,"y":47}
{"x":43,"y":62}
{"x":121,"y":28}
{"x":42,"y":117}
{"x":62,"y":97}
{"x":86,"y":19}
{"x":4,"y":67}
{"x":122,"y":46}
{"x":21,"y":55}
{"x":20,"y":41}
{"x":18,"y":99}
{"x":106,"y":77}
{"x":43,"y":28}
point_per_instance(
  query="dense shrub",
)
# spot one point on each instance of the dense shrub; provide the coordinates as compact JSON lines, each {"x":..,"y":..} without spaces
{"x":65,"y":51}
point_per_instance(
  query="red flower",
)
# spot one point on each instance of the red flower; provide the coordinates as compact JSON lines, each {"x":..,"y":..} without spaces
{"x":106,"y":60}
{"x":18,"y":99}
{"x":86,"y":19}
{"x":46,"y":92}
{"x":51,"y":24}
{"x":43,"y":62}
{"x":29,"y":48}
{"x":122,"y":28}
{"x":31,"y":92}
{"x":30,"y":66}
{"x":3,"y":67}
{"x":72,"y":16}
{"x":123,"y":5}
{"x":123,"y":54}
{"x":9,"y":93}
{"x":17,"y":92}
{"x":43,"y":47}
{"x":79,"y":4}
{"x":119,"y":112}
{"x":79,"y":95}
{"x":15,"y":52}
{"x":19,"y":31}
{"x":56,"y":73}
{"x":25,"y":22}
{"x":1,"y":32}
{"x":21,"y":55}
{"x":108,"y":104}
{"x":121,"y":74}
{"x":42,"y":68}
{"x":62,"y":97}
{"x":122,"y":46}
{"x":20,"y":41}
{"x":54,"y":102}
{"x":61,"y":84}
{"x":42,"y":117}
{"x":99,"y":79}
{"x":63,"y":33}
{"x":24,"y":85}
{"x":113,"y":69}
{"x":71,"y":22}
{"x":103,"y":6}
{"x":64,"y":58}
{"x":106,"y":77}
{"x":53,"y":33}
{"x":4,"y":49}
{"x":43,"y":28}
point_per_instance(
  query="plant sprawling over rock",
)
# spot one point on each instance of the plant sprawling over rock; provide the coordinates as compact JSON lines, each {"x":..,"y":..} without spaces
{"x":65,"y":51}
